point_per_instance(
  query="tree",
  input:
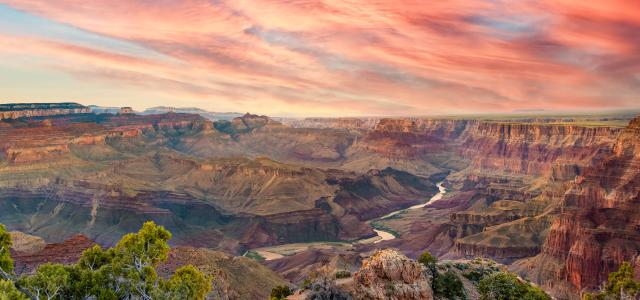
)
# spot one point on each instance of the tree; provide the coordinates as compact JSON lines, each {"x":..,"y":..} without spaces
{"x":6,"y":263}
{"x":429,"y":261}
{"x":8,"y":291}
{"x":126,"y":271}
{"x":280,"y":292}
{"x":129,"y":269}
{"x":621,"y":285}
{"x":507,"y":286}
{"x":187,"y":283}
{"x":49,"y":282}
{"x":448,"y":286}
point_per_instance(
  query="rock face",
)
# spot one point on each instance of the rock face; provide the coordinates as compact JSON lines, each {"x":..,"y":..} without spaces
{"x":25,"y":243}
{"x":67,"y":252}
{"x":597,"y":227}
{"x":14,"y":111}
{"x":333,"y":123}
{"x":519,"y":187}
{"x":533,"y":149}
{"x":390,"y":275}
{"x":84,"y":173}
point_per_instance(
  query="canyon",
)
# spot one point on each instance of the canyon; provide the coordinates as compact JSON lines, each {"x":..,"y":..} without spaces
{"x":553,"y":198}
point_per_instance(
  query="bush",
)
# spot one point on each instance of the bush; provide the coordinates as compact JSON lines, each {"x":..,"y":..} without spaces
{"x":448,"y":286}
{"x":461,"y":266}
{"x":621,"y":285}
{"x":429,"y":261}
{"x":8,"y":291}
{"x":343,"y":274}
{"x":507,"y":286}
{"x":280,"y":292}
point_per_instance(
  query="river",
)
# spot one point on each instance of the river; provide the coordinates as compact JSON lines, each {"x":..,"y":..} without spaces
{"x":384,"y":235}
{"x":275,"y":252}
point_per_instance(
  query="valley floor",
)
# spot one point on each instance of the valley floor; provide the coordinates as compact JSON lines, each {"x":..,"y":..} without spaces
{"x":383,"y":234}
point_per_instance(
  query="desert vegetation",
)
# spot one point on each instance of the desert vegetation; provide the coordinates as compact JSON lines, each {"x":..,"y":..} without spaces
{"x":488,"y":281}
{"x":126,"y":271}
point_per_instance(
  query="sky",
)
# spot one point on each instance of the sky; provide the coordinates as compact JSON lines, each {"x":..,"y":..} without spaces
{"x":324,"y":58}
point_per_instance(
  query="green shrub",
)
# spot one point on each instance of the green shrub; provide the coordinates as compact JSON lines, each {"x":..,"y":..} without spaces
{"x":429,"y":261}
{"x":621,"y":283}
{"x":280,"y":292}
{"x":448,"y":286}
{"x":343,"y":274}
{"x":507,"y":286}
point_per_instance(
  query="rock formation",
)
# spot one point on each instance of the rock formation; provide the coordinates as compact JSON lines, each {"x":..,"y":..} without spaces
{"x":597,"y":226}
{"x":25,"y":243}
{"x":67,"y":252}
{"x":388,"y":274}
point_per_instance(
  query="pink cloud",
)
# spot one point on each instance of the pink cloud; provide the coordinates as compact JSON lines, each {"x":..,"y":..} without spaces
{"x":362,"y":57}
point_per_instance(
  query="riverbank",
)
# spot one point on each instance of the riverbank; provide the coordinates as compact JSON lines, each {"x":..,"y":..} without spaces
{"x":383,"y":234}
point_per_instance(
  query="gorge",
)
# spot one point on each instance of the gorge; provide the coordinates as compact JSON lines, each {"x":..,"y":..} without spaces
{"x":552,"y":198}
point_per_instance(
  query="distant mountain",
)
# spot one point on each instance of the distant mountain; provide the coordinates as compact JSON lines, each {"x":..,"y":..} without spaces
{"x":104,"y":109}
{"x":213,"y":116}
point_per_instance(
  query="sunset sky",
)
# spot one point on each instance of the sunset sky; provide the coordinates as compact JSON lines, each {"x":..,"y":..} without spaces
{"x":324,"y":58}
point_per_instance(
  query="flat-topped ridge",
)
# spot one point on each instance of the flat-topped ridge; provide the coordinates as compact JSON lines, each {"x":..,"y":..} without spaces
{"x":34,"y":106}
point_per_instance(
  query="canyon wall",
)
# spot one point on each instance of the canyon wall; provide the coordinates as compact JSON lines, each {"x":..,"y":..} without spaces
{"x":597,"y":224}
{"x":26,"y":110}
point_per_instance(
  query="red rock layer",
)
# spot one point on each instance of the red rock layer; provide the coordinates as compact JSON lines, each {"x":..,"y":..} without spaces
{"x":67,"y":252}
{"x":533,"y":149}
{"x":598,"y":227}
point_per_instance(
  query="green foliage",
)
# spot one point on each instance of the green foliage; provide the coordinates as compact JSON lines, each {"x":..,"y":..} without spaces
{"x":8,"y":291}
{"x":254,"y":255}
{"x":187,"y":283}
{"x":448,"y":286}
{"x":507,"y":286}
{"x":49,"y":281}
{"x":280,"y":292}
{"x":126,"y":271}
{"x":474,"y":275}
{"x":429,"y":261}
{"x":6,"y":263}
{"x":621,"y":283}
{"x":343,"y":274}
{"x":306,"y":283}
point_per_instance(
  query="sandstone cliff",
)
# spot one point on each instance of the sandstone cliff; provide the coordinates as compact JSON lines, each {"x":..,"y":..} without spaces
{"x":26,"y":110}
{"x":597,"y":226}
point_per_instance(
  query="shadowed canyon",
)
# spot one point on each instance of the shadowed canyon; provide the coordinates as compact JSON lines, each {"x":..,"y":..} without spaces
{"x":551,"y":198}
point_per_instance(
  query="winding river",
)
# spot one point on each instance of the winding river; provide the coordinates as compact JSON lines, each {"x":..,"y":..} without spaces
{"x":275,"y":252}
{"x":384,"y":235}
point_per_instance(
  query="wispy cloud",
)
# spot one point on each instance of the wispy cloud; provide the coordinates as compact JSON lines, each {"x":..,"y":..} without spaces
{"x":339,"y":57}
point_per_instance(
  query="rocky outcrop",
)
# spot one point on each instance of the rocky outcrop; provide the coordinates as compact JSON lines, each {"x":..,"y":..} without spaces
{"x":388,"y":274}
{"x":27,"y":110}
{"x":25,"y":243}
{"x":67,"y":252}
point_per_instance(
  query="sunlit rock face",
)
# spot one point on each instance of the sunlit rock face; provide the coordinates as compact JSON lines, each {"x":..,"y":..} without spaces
{"x":597,"y":227}
{"x":25,"y":110}
{"x":388,"y":274}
